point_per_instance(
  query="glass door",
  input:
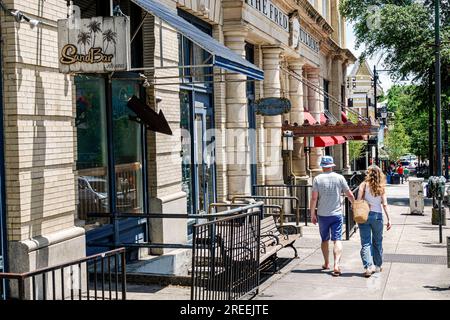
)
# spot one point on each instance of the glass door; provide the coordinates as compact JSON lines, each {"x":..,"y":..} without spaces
{"x":204,"y":162}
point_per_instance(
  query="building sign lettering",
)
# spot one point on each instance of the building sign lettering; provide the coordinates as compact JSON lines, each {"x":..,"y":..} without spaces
{"x":299,"y":35}
{"x":95,"y":45}
{"x":272,"y":12}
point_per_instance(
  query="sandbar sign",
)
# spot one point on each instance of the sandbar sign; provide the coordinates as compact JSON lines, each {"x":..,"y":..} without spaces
{"x":95,"y":45}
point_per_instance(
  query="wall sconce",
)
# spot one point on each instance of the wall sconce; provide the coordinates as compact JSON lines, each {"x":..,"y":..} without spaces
{"x":288,"y":141}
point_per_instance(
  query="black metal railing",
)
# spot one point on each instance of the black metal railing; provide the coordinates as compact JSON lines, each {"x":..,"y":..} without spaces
{"x":350,"y":224}
{"x":297,"y":203}
{"x":97,"y":277}
{"x":356,"y":179}
{"x":225,"y":255}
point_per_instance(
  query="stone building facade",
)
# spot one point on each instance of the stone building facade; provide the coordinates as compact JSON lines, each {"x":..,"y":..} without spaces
{"x":55,"y":158}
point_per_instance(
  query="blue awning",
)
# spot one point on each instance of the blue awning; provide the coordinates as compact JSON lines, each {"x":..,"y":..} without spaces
{"x":223,"y":57}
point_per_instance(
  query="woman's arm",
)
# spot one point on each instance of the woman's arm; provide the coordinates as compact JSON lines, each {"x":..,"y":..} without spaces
{"x":361,"y":190}
{"x":385,"y":207}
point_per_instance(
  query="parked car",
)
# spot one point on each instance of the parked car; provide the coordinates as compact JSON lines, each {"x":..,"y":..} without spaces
{"x":92,"y":195}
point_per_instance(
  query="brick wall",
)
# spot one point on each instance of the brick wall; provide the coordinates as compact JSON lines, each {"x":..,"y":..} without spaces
{"x":39,"y":124}
{"x":164,"y":174}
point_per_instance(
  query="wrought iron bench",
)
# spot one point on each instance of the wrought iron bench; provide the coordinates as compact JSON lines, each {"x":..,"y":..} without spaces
{"x":274,"y":238}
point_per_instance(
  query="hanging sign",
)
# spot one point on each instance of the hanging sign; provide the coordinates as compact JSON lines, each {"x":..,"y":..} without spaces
{"x":272,"y":106}
{"x":95,"y":45}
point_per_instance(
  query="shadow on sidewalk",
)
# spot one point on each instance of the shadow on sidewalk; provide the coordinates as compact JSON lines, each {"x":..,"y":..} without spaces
{"x":328,"y":272}
{"x":434,"y":288}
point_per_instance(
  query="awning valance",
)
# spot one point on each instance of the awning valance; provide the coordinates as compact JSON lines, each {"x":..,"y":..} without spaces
{"x":308,"y":116}
{"x":339,"y":139}
{"x":223,"y":57}
{"x":323,"y":142}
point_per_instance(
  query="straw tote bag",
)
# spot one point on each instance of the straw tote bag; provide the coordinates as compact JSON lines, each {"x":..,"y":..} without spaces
{"x":361,"y":209}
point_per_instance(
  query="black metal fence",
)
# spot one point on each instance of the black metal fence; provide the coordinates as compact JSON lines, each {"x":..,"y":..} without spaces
{"x":297,"y":202}
{"x":225,"y":255}
{"x":97,"y":277}
{"x":350,"y":225}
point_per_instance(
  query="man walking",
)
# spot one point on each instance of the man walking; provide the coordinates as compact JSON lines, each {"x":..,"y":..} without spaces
{"x":326,"y":195}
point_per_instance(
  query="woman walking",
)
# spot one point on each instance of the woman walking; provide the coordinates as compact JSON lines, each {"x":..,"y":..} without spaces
{"x":373,"y":191}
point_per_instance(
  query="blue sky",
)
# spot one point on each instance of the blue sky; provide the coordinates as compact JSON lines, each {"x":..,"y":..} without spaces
{"x":385,"y":80}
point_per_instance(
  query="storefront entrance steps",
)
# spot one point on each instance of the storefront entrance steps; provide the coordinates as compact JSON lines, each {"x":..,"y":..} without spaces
{"x":175,"y":263}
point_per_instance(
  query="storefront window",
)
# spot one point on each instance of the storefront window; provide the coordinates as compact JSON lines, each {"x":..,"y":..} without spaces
{"x":197,"y":118}
{"x":92,"y":157}
{"x":92,"y":149}
{"x":326,"y":89}
{"x":186,"y":168}
{"x":127,"y":148}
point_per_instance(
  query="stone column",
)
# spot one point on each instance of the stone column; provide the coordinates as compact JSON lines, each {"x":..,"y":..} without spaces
{"x":297,"y":116}
{"x":336,"y":82}
{"x":237,"y":148}
{"x":345,"y":151}
{"x":273,"y":124}
{"x":314,"y":109}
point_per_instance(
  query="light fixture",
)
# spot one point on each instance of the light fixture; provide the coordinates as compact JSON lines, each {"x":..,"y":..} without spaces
{"x":118,"y":12}
{"x":19,"y":17}
{"x":288,"y":141}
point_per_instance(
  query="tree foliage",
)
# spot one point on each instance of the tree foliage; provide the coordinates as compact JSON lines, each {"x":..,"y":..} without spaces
{"x":403,"y":30}
{"x":356,"y":149}
{"x":397,"y":142}
{"x":405,"y":103}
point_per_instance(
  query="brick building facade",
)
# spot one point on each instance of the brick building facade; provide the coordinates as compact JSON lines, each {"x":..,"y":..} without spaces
{"x":50,"y":160}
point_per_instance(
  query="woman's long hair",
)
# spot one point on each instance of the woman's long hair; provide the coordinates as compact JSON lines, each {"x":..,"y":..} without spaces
{"x":376,"y":180}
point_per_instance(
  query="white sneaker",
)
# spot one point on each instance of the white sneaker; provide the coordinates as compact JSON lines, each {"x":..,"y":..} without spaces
{"x":378,"y":269}
{"x":369,"y":271}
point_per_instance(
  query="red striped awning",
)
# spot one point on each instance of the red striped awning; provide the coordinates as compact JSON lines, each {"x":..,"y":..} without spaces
{"x":323,"y":141}
{"x":339,"y":139}
{"x":309,"y":117}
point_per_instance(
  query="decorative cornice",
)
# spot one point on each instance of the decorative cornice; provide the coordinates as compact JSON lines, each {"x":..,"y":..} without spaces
{"x":315,"y":15}
{"x":341,"y":53}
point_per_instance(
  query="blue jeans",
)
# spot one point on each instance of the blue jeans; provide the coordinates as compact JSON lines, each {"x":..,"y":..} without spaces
{"x":371,"y":233}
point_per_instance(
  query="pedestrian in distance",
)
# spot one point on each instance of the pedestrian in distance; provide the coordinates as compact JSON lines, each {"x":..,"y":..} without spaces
{"x":406,"y":173}
{"x":373,"y":190}
{"x":327,"y":190}
{"x":400,"y":171}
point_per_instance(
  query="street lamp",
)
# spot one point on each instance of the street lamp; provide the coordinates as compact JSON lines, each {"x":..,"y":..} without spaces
{"x":288,"y":141}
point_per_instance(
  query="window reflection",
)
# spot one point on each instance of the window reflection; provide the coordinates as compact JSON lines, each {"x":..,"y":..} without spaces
{"x":92,"y":160}
{"x":92,"y":150}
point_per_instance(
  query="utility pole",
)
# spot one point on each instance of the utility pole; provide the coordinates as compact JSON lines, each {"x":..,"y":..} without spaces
{"x":446,"y":142}
{"x":375,"y":82}
{"x":438,"y":104}
{"x":431,"y":171}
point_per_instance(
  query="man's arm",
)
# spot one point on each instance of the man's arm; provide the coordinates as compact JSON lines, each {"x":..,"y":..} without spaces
{"x":347,"y":191}
{"x":350,"y":195}
{"x":312,"y":206}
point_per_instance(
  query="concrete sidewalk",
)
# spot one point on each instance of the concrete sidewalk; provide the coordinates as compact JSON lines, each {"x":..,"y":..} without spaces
{"x":414,"y":263}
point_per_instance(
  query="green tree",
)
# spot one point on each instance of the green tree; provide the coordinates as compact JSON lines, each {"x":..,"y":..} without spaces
{"x":397,"y":142}
{"x":403,"y":31}
{"x":405,"y":103}
{"x":355,"y":150}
